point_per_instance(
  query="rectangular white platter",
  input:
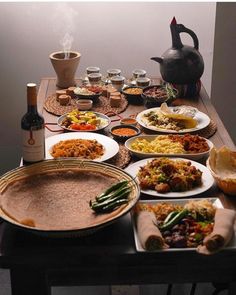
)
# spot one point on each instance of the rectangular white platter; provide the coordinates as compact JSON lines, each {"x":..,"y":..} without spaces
{"x":215,"y":201}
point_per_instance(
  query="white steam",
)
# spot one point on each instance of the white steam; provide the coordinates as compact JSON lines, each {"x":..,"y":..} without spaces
{"x":64,"y":25}
{"x":66,"y":43}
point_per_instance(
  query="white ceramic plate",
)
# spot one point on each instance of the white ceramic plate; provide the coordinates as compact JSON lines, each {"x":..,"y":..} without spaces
{"x":106,"y":122}
{"x":207,"y":180}
{"x":142,"y":155}
{"x":110,"y":145}
{"x":202,"y":119}
{"x":215,"y":201}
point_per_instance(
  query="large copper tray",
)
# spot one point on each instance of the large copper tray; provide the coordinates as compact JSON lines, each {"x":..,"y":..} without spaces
{"x":49,"y":167}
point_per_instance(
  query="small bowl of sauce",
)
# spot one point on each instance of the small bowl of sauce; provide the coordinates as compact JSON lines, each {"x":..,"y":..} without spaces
{"x":84,"y":104}
{"x":128,"y":121}
{"x":123,"y":132}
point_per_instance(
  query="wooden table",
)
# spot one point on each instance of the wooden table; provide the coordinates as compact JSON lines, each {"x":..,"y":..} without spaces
{"x":109,"y":256}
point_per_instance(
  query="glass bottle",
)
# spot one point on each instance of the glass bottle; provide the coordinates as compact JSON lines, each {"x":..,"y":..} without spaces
{"x":33,"y":130}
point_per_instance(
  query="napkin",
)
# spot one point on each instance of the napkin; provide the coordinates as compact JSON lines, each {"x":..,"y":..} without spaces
{"x":149,"y":235}
{"x":222,"y":233}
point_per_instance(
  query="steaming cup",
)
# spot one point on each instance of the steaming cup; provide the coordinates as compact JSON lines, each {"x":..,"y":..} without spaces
{"x":139,"y":73}
{"x":94,"y":78}
{"x":143,"y":81}
{"x":65,"y":66}
{"x":118,"y":82}
{"x":91,"y":70}
{"x":113,"y":72}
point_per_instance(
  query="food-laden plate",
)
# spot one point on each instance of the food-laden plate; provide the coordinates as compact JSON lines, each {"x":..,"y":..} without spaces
{"x":188,"y":146}
{"x":52,"y":197}
{"x":154,"y":120}
{"x":110,"y":146}
{"x":88,"y":92}
{"x":83,"y":121}
{"x":206,"y":177}
{"x":175,"y":202}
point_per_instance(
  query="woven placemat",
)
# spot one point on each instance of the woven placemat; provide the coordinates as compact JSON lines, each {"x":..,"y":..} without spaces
{"x":102,"y":105}
{"x":122,"y":158}
{"x":208,"y":131}
{"x":52,"y":106}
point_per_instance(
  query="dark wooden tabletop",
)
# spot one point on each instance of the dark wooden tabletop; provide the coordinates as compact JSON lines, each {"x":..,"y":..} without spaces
{"x":109,"y":255}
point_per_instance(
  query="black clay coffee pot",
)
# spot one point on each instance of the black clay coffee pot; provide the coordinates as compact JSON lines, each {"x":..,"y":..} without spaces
{"x":181,"y":64}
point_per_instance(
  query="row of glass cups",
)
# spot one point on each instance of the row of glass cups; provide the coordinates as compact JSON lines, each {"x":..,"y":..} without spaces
{"x":115,"y":78}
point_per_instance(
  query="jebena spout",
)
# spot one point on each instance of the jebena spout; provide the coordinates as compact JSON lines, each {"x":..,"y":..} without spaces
{"x":157,"y":59}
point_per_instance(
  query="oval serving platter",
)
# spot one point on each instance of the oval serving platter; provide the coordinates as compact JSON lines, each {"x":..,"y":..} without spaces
{"x":143,"y":155}
{"x":207,"y":180}
{"x":105,"y":121}
{"x":111,"y":147}
{"x":202,"y":121}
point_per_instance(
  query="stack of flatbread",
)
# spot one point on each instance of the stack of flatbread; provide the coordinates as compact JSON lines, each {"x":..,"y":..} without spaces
{"x":222,"y":164}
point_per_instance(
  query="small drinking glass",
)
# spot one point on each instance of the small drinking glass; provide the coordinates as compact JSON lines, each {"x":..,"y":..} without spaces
{"x":143,"y":82}
{"x":138,"y":73}
{"x":118,"y":82}
{"x":94,"y":78}
{"x":113,"y":72}
{"x":91,"y":70}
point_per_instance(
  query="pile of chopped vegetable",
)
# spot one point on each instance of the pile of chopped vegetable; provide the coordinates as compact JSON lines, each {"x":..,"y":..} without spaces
{"x":82,"y":120}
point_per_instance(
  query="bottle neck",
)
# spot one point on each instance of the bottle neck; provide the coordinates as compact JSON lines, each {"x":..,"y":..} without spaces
{"x":32,"y":109}
{"x":32,"y":98}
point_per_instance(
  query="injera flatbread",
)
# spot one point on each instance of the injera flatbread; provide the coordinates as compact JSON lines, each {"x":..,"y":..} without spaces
{"x":57,"y":200}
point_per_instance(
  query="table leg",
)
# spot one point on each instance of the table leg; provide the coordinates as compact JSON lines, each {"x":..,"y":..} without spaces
{"x":232,"y":288}
{"x":29,"y":281}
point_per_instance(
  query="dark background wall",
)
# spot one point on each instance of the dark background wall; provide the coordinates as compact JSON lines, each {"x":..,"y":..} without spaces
{"x":223,"y":88}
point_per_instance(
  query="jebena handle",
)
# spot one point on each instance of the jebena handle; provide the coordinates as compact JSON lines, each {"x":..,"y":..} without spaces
{"x":183,"y":29}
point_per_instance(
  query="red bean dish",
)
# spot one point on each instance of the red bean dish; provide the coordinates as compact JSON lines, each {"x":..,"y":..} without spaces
{"x":191,"y":143}
{"x":156,"y":92}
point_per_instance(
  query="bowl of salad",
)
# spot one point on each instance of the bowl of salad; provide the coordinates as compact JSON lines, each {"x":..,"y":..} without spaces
{"x":155,"y":95}
{"x":83,"y":121}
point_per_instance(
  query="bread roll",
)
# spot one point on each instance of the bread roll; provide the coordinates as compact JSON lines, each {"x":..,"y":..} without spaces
{"x":64,"y":99}
{"x":115,"y":101}
{"x":110,"y":91}
{"x":115,"y":93}
{"x":222,"y":233}
{"x":60,"y":92}
{"x":149,"y":235}
{"x":70,"y":91}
